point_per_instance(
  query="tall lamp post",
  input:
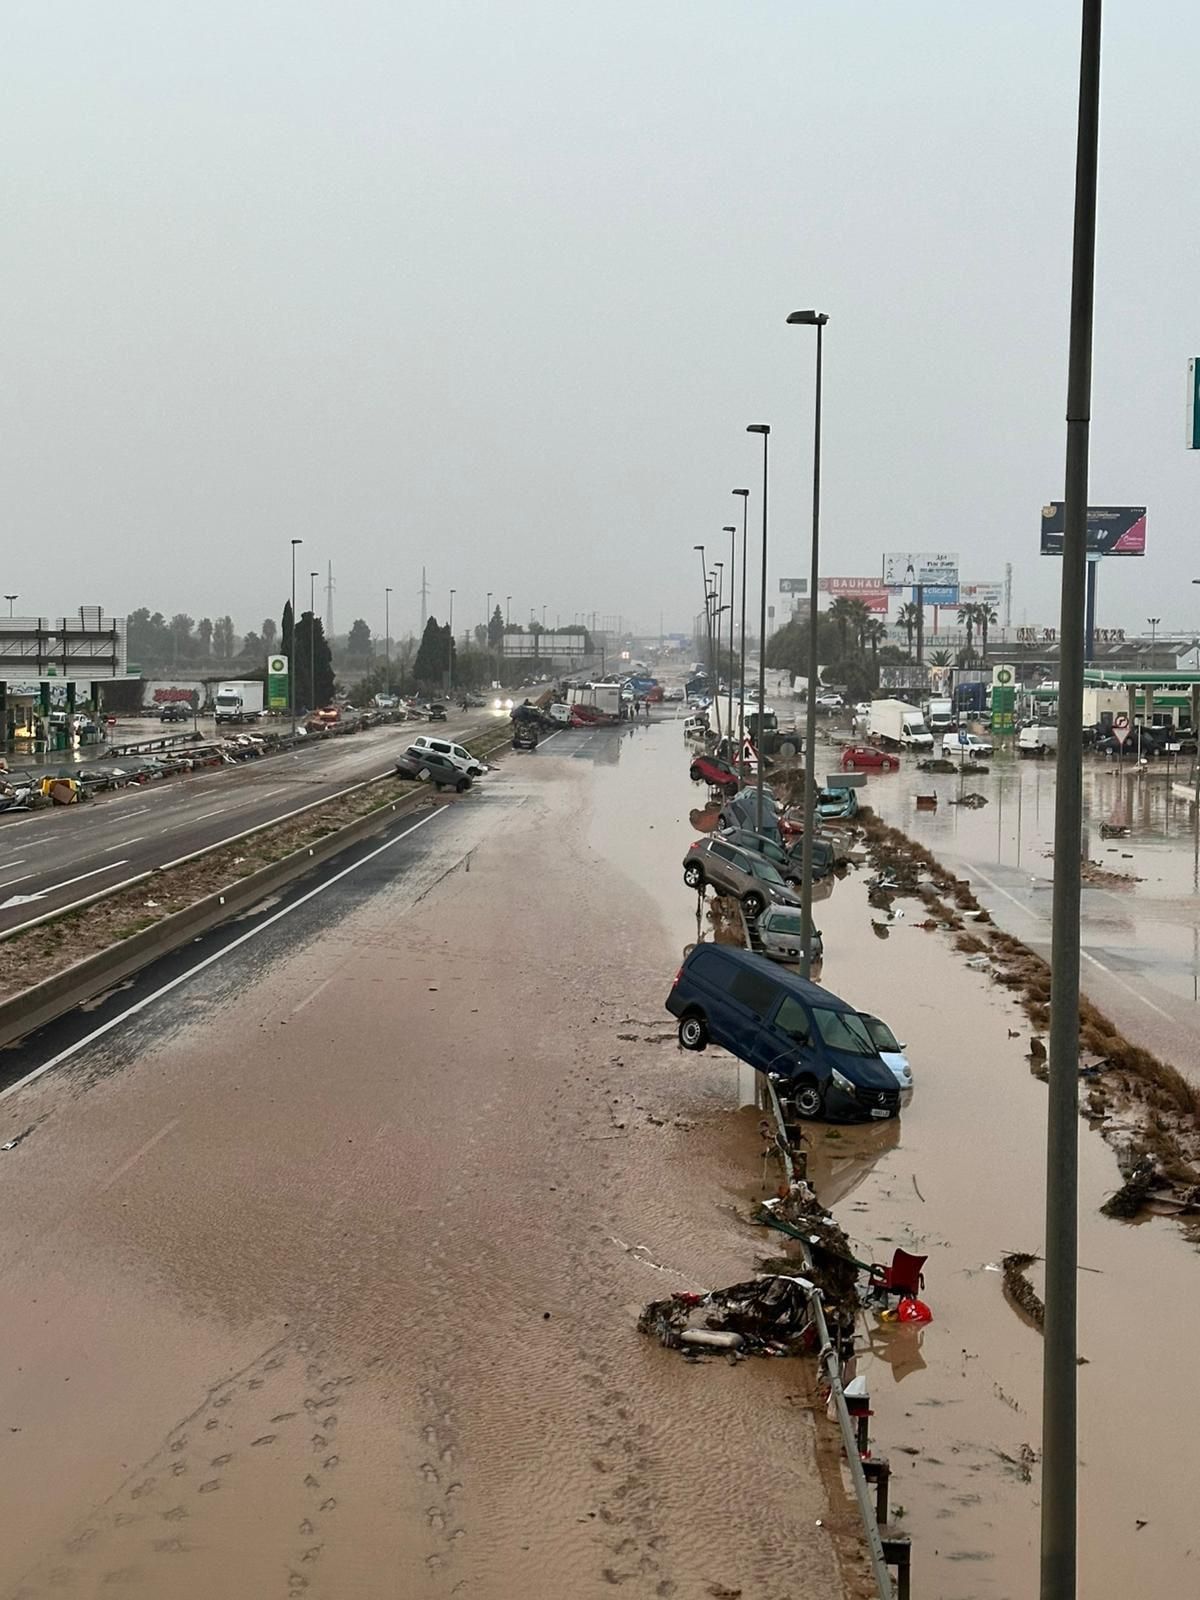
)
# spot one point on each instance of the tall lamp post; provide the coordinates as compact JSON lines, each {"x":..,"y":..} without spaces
{"x":732,"y":532}
{"x":718,"y":608}
{"x":450,"y":651}
{"x":745,"y":496}
{"x":708,"y":601}
{"x":811,"y":319}
{"x":764,"y":429}
{"x":312,"y":637}
{"x":1154,"y":622}
{"x":292,"y":641}
{"x":387,"y":640}
{"x":10,"y":598}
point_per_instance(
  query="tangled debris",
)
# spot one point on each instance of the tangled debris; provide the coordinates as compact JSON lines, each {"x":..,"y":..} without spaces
{"x":972,"y":800}
{"x":1019,"y":1291}
{"x":766,"y":1316}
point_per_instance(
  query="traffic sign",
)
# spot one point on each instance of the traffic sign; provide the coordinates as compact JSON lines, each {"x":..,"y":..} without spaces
{"x":1121,"y":727}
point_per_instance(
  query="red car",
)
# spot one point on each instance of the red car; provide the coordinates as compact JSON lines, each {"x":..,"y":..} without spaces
{"x":866,"y":755}
{"x":717,"y":773}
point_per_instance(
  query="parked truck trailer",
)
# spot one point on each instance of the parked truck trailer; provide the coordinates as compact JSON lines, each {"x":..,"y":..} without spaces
{"x":240,"y":700}
{"x":898,"y":725}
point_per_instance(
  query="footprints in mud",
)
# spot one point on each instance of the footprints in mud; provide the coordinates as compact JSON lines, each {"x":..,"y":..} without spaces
{"x":281,"y":1417}
{"x":439,"y":1434}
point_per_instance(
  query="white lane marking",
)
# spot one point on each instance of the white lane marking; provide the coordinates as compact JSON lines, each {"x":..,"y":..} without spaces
{"x":20,"y":824}
{"x":67,"y":882}
{"x":74,"y":905}
{"x":125,"y":815}
{"x":25,"y":876}
{"x":1084,"y":954}
{"x":19,"y":862}
{"x":137,"y":1155}
{"x":265,"y":794}
{"x":120,"y":845}
{"x":234,"y":944}
{"x":204,"y":814}
{"x":257,"y":827}
{"x":309,"y":998}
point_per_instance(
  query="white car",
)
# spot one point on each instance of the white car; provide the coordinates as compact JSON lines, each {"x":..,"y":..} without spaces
{"x":891,"y":1051}
{"x":965,"y":744}
{"x":830,"y":700}
{"x":461,"y":757}
{"x":673,"y":693}
{"x":863,"y":708}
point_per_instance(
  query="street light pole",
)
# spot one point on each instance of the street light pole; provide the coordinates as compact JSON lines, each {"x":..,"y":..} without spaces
{"x":450,"y":651}
{"x":387,"y":640}
{"x":745,"y":494}
{"x":718,"y":607}
{"x":292,"y":641}
{"x":312,"y":637}
{"x":1154,"y":622}
{"x":811,"y":319}
{"x":10,"y":598}
{"x":732,"y":532}
{"x":764,"y":429}
{"x":1059,"y":1530}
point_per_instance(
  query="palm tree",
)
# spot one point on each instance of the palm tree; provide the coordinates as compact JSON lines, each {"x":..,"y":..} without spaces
{"x":966,"y":618}
{"x":841,"y":613}
{"x":939,"y":658}
{"x":859,"y":617}
{"x":908,"y":618}
{"x":874,"y":633}
{"x":985,"y":616}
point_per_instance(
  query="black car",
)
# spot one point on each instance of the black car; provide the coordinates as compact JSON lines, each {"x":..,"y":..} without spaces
{"x":438,"y":769}
{"x":176,"y":711}
{"x":437,"y":713}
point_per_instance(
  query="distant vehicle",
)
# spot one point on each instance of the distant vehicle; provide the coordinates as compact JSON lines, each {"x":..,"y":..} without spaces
{"x":781,"y":931}
{"x":436,"y":712}
{"x":458,"y":755}
{"x":386,"y":702}
{"x":787,"y":864}
{"x":863,"y":708}
{"x":1037,"y":739}
{"x":898,"y":725}
{"x":965,"y":744}
{"x":812,"y":1043}
{"x":175,"y":711}
{"x":436,"y":768}
{"x":674,"y":693}
{"x":768,"y":737}
{"x":240,"y":700}
{"x":941,"y":716}
{"x":830,"y":700}
{"x":502,"y":702}
{"x":744,"y":874}
{"x":741,"y":811}
{"x":863,"y":757}
{"x":891,"y":1051}
{"x":718,"y":774}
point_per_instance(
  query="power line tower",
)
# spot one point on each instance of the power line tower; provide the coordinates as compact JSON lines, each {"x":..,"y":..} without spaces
{"x":329,"y":604}
{"x":424,"y":602}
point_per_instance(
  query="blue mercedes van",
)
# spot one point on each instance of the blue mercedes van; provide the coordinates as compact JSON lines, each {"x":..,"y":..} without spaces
{"x":814,"y":1045}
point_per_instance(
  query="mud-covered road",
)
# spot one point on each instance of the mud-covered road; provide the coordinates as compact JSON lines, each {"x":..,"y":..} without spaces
{"x":320,"y":1269}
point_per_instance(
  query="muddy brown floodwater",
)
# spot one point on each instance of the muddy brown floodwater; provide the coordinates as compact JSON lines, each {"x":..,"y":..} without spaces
{"x":321,"y":1279}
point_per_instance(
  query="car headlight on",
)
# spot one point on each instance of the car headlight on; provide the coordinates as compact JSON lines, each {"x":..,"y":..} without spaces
{"x":496,"y":704}
{"x":843,"y":1083}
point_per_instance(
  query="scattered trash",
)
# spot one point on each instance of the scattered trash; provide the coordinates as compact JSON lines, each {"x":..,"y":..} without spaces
{"x":1129,"y":1198}
{"x":12,"y":1143}
{"x":927,"y":802}
{"x":973,"y":801}
{"x":767,"y":1316}
{"x":1115,"y":830}
{"x":1019,"y":1291}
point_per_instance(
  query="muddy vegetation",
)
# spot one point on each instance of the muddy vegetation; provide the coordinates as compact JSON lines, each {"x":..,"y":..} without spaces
{"x":1144,"y":1106}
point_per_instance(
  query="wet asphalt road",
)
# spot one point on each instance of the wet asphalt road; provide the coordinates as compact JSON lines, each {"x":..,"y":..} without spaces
{"x":322,"y":1241}
{"x":51,"y":859}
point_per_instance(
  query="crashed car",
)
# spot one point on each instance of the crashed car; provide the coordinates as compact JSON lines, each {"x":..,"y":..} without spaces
{"x":431,"y":767}
{"x":836,"y":802}
{"x":716,"y":772}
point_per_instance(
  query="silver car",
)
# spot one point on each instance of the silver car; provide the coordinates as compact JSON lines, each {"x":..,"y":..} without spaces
{"x":744,"y":874}
{"x":780,"y":928}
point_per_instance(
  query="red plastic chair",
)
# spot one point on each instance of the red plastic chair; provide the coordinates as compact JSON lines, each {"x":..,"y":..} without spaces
{"x":904,"y":1278}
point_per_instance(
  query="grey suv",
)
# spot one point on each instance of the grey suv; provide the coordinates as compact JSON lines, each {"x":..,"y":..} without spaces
{"x":788,"y":861}
{"x":744,"y":874}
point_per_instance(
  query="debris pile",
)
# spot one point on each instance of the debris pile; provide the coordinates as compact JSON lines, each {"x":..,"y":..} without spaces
{"x":767,"y":1316}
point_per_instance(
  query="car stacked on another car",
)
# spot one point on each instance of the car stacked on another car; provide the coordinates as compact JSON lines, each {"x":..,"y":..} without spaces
{"x":458,"y":755}
{"x":743,"y":874}
{"x":716,"y":772}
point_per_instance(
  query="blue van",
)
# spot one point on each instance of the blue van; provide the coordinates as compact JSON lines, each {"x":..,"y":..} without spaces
{"x":814,"y":1045}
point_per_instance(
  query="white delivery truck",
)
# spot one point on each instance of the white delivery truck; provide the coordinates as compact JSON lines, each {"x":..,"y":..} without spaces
{"x":239,"y":701}
{"x":941,"y":717}
{"x":898,"y":725}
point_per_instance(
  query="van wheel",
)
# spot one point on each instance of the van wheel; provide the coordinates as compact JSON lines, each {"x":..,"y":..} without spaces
{"x":693,"y":1032}
{"x":753,"y":904}
{"x":693,"y":875}
{"x":808,"y":1099}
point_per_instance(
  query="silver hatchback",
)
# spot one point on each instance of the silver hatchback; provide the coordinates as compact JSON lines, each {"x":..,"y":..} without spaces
{"x":744,"y":874}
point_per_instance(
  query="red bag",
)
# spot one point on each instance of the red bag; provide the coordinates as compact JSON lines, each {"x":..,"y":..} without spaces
{"x":911,"y":1309}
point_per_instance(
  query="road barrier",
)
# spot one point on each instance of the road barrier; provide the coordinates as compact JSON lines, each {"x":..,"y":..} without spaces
{"x":53,"y":997}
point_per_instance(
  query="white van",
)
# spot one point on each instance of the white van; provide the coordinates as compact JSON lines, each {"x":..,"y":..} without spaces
{"x":457,"y":753}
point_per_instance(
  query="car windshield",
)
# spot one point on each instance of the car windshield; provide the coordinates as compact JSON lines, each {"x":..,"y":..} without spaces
{"x":844,"y":1030}
{"x":791,"y":925}
{"x":882,"y":1036}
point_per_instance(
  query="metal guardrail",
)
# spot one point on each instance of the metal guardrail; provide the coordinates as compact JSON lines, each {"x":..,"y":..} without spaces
{"x":828,"y":1357}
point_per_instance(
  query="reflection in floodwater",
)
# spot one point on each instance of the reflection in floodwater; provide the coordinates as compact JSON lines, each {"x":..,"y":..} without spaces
{"x":839,"y":1159}
{"x":898,"y":1345}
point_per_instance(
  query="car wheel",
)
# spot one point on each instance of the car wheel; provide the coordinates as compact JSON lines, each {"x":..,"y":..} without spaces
{"x":889,"y":765}
{"x":693,"y":875}
{"x":788,"y":748}
{"x":462,"y":785}
{"x":696,"y":774}
{"x":808,"y":1099}
{"x":693,"y":1031}
{"x":753,"y":904}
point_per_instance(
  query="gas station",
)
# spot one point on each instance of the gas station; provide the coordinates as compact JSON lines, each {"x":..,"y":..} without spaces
{"x":56,"y":664}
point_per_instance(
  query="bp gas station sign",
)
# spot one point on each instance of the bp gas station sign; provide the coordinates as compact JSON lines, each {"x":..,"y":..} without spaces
{"x":1004,"y":700}
{"x":277,"y":683}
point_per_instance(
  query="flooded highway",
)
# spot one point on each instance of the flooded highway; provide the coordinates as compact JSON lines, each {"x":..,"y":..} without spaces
{"x":321,"y":1269}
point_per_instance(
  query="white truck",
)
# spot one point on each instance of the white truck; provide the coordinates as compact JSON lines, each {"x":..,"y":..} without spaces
{"x":941,"y":716}
{"x":898,"y":725}
{"x":596,"y":702}
{"x":1037,"y":739}
{"x":239,"y":701}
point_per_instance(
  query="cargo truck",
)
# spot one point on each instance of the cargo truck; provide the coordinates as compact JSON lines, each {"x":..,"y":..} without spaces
{"x":239,"y":701}
{"x":898,"y":726}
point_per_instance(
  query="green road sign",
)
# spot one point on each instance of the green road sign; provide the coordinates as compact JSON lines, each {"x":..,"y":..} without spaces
{"x":1193,"y":437}
{"x":277,"y":683}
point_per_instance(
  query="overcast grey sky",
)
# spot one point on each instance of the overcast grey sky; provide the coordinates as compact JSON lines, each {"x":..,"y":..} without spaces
{"x":497,"y":287}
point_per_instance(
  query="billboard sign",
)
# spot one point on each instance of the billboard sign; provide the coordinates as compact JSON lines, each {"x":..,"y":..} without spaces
{"x":940,"y":594}
{"x":1111,"y":530}
{"x":903,"y":569}
{"x":869,"y":590}
{"x":981,"y":594}
{"x":277,"y":683}
{"x":793,"y":585}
